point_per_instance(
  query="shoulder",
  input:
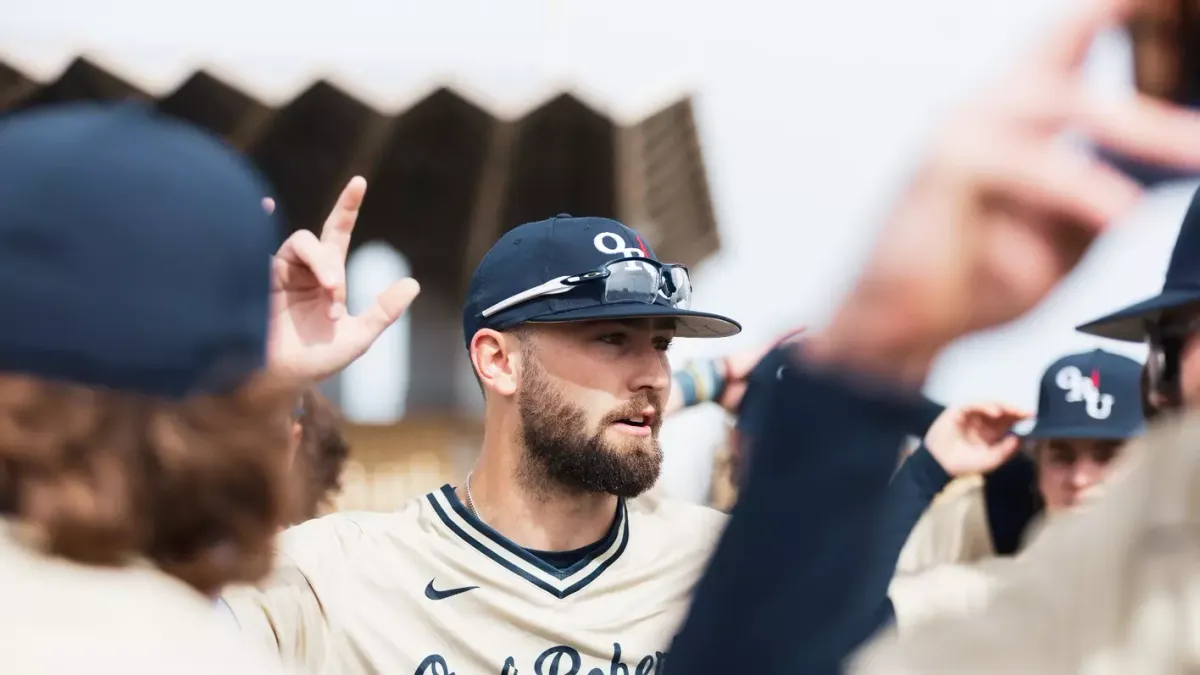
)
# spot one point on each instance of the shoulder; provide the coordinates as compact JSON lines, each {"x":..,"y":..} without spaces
{"x":162,"y":624}
{"x":345,"y":534}
{"x":945,"y":591}
{"x":676,"y":517}
{"x":953,"y":530}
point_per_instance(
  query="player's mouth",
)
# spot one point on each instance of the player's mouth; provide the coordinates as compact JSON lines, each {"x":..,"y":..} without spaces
{"x":637,"y":425}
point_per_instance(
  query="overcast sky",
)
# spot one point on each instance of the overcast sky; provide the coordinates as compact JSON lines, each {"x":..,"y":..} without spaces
{"x":809,"y":112}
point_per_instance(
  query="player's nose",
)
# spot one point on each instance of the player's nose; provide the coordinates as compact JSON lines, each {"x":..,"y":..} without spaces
{"x":649,"y":370}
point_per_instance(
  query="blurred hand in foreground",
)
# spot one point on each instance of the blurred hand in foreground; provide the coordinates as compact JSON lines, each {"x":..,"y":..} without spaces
{"x":1002,"y":208}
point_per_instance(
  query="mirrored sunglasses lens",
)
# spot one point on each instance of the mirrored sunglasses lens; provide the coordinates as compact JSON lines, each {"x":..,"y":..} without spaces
{"x":631,"y":281}
{"x":681,"y":284}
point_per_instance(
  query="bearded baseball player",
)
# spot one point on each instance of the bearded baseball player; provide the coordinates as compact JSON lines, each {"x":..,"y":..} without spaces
{"x":548,"y":557}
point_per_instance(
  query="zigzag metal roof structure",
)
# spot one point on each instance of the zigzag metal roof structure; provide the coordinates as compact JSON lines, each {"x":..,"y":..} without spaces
{"x":447,"y":177}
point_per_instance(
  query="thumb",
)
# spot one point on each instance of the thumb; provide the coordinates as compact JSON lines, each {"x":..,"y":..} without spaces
{"x":387,"y":308}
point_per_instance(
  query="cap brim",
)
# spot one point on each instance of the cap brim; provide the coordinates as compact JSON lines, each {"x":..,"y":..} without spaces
{"x":688,"y":324}
{"x":1129,"y":324}
{"x":1090,"y":433}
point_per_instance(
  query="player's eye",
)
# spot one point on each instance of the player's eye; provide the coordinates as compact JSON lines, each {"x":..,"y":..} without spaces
{"x":616,"y":339}
{"x":662,"y":344}
{"x":1061,"y":455}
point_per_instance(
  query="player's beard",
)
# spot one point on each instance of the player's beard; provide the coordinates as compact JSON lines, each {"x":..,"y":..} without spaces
{"x":559,"y":449}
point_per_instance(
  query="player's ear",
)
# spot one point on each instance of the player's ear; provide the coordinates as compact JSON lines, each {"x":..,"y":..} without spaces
{"x":494,"y":359}
{"x":294,"y":443}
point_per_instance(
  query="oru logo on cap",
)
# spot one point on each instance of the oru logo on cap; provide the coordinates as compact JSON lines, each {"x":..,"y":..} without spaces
{"x":1085,"y":390}
{"x":612,"y":244}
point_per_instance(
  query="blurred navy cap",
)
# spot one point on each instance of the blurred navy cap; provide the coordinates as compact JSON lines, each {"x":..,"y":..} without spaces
{"x":1095,"y":395}
{"x":1181,"y":286}
{"x":134,"y":252}
{"x":532,"y":254}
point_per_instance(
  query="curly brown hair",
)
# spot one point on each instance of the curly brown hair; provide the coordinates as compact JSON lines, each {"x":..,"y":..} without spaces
{"x":198,"y":488}
{"x":322,"y":454}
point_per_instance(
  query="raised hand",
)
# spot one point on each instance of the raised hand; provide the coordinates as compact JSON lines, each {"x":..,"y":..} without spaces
{"x":974,"y":439}
{"x":312,"y":334}
{"x":1003,"y":207}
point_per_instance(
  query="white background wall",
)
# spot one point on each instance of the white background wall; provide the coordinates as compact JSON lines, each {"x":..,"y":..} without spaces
{"x":810,"y":112}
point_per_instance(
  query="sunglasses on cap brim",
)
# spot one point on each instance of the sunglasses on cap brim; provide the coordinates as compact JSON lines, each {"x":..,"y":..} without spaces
{"x":630,"y":280}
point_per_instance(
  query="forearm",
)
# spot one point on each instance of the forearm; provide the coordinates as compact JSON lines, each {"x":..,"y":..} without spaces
{"x":908,"y":496}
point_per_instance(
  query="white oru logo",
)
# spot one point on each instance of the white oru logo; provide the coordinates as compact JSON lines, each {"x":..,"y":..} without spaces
{"x":613,"y":244}
{"x":1082,"y":389}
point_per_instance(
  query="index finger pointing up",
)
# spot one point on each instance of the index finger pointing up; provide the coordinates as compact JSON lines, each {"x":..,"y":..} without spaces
{"x":339,"y":226}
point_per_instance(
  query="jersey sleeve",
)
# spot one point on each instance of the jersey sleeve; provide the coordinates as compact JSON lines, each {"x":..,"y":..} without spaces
{"x":284,"y":612}
{"x":951,"y":589}
{"x":953,"y":530}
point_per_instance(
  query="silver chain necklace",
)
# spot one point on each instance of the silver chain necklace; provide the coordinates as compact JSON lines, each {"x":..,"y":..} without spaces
{"x":470,"y":502}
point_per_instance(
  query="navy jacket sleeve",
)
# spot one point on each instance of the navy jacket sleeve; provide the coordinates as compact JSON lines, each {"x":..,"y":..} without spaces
{"x":800,"y":576}
{"x":910,"y":493}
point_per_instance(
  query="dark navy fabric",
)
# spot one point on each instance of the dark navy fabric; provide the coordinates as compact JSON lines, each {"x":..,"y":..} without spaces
{"x":1012,"y":501}
{"x":800,"y":576}
{"x":134,"y":252}
{"x":752,"y":409}
{"x":1181,"y":286}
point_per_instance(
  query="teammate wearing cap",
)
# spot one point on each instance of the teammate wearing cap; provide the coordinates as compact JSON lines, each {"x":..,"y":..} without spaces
{"x":143,"y":411}
{"x":1089,"y":405}
{"x":548,"y":557}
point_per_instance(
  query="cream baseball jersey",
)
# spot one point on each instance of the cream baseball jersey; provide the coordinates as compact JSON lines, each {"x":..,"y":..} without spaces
{"x":432,"y":590}
{"x":954,"y":529}
{"x":62,"y":618}
{"x":942,"y":570}
{"x":1109,"y":588}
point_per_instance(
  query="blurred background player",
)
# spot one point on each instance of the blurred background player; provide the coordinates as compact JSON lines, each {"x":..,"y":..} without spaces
{"x":319,"y":453}
{"x":548,"y":556}
{"x":1089,"y":405}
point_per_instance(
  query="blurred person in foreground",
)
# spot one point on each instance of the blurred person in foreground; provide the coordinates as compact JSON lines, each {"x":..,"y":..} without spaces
{"x":141,"y":461}
{"x":153,"y":353}
{"x":997,"y":213}
{"x":551,"y":555}
{"x":1089,"y":406}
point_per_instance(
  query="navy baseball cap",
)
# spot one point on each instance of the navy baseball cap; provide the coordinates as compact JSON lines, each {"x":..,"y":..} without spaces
{"x":1181,"y":286}
{"x":134,"y":252}
{"x":1096,"y":395}
{"x":530,"y":255}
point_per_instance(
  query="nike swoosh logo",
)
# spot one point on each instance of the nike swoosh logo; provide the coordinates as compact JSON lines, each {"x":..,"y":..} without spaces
{"x":434,"y":594}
